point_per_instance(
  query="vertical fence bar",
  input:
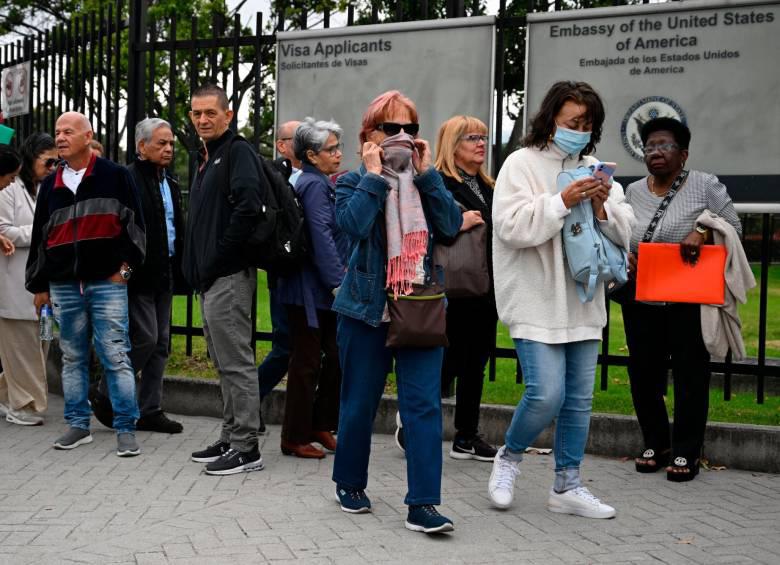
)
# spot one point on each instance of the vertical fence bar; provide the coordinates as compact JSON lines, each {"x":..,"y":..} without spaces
{"x":100,"y":73}
{"x":351,"y":14}
{"x":727,"y":378}
{"x":258,"y":98}
{"x":172,"y":75}
{"x":64,"y":49}
{"x":48,"y":79}
{"x":326,"y":18}
{"x":605,"y":348}
{"x":374,"y":12}
{"x":109,"y":105}
{"x":39,"y":60}
{"x":236,"y":78}
{"x":192,"y":169}
{"x":213,"y":52}
{"x":499,"y":81}
{"x":766,"y":252}
{"x":150,"y":95}
{"x":84,"y":70}
{"x":92,"y":49}
{"x":117,"y":74}
{"x":73,"y":76}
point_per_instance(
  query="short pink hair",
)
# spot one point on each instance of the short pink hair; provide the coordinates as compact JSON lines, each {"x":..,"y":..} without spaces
{"x":382,"y":106}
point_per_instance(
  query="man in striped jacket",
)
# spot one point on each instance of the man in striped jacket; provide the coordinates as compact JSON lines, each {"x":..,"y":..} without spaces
{"x":88,"y":235}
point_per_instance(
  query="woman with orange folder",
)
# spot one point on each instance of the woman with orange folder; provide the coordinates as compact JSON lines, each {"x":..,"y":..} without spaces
{"x":666,"y":204}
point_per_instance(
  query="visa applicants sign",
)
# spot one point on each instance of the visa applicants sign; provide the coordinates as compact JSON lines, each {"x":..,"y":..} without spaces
{"x":15,"y":96}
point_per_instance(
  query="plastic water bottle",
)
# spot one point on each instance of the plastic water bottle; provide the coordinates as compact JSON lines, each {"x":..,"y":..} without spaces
{"x":47,"y":323}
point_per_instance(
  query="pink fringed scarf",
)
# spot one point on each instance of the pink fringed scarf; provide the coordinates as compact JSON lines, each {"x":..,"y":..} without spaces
{"x":407,"y":230}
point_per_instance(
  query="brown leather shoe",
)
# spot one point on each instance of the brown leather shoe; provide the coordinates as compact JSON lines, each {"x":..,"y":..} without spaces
{"x":304,"y":450}
{"x":325,"y":439}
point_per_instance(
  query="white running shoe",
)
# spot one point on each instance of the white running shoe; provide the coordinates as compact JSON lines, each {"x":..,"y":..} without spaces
{"x":580,"y":502}
{"x":23,"y":418}
{"x":502,"y":480}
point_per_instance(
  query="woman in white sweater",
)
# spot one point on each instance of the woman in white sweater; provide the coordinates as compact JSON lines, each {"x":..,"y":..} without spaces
{"x":23,"y":391}
{"x":555,"y":334}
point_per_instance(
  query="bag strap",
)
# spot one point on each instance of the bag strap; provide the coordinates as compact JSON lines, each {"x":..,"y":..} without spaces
{"x":593,"y":278}
{"x":663,"y":206}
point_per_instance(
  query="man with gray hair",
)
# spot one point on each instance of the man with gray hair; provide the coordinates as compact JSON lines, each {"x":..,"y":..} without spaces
{"x":152,"y":286}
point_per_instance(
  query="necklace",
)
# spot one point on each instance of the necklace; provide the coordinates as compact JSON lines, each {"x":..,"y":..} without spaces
{"x":651,"y":186}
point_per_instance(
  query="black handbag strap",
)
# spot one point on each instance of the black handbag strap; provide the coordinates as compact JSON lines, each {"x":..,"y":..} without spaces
{"x":678,"y":182}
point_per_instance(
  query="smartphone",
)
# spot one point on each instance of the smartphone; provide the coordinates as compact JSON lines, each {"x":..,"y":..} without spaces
{"x":604,"y":170}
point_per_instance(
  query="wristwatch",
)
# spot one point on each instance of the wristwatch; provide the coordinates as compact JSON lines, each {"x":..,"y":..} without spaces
{"x":701,"y":229}
{"x":125,"y":271}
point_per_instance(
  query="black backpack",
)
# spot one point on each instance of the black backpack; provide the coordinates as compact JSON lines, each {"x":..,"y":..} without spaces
{"x":278,"y":244}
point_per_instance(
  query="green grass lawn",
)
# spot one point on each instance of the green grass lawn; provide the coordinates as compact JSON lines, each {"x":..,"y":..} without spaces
{"x":742,"y":408}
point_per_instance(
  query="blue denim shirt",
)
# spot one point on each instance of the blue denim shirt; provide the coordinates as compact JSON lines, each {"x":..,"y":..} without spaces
{"x":360,"y":204}
{"x":168,"y":205}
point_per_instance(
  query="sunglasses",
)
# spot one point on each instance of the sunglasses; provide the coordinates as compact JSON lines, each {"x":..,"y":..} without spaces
{"x":391,"y":128}
{"x":51,"y":162}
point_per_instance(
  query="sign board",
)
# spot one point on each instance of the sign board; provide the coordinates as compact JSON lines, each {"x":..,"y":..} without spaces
{"x":444,"y":66}
{"x":715,"y":65}
{"x":15,"y":96}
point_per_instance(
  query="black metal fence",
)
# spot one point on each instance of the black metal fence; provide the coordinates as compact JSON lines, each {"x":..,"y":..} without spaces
{"x":118,"y":65}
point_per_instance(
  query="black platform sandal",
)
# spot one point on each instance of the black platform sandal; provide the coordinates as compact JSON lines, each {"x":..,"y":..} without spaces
{"x":650,"y":461}
{"x":677,"y":473}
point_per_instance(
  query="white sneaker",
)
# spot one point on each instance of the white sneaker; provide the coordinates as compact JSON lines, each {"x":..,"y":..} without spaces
{"x":580,"y":502}
{"x":23,"y":418}
{"x":501,"y":487}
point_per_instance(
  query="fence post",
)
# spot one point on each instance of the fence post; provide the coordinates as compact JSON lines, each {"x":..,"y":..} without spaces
{"x":136,"y":71}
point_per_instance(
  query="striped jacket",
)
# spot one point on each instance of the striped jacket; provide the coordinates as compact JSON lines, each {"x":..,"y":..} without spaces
{"x":86,"y":236}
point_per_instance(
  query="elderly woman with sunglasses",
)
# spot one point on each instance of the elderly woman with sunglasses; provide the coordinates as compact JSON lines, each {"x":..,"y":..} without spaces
{"x":23,"y":391}
{"x":377,"y":228}
{"x":658,"y":333}
{"x":313,"y":378}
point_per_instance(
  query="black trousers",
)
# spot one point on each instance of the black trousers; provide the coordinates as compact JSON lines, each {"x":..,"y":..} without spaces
{"x":655,"y":335}
{"x":471,"y":331}
{"x":313,"y":378}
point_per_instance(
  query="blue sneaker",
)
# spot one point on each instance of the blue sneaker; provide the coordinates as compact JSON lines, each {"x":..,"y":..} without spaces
{"x":425,"y":518}
{"x":353,"y":500}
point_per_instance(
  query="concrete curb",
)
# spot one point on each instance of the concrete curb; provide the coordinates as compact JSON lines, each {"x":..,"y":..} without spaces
{"x":737,"y":446}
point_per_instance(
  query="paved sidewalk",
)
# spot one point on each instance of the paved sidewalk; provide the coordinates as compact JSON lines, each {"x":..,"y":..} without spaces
{"x":89,"y":506}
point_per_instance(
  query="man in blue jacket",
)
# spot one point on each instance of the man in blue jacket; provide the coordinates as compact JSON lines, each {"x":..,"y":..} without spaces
{"x":87,"y":237}
{"x":216,"y":266}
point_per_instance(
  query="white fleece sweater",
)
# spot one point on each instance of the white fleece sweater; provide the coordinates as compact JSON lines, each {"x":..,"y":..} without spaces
{"x":535,"y":294}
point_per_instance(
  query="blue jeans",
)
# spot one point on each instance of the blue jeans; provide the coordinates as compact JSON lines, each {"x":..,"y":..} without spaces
{"x":558,"y":386}
{"x":274,"y":367}
{"x":103,"y":305}
{"x":365,"y":362}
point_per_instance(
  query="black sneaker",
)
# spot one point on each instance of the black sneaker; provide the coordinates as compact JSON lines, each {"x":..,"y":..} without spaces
{"x":234,"y":461}
{"x":261,"y":427}
{"x":425,"y":518}
{"x":158,"y":422}
{"x":353,"y":500}
{"x":211,"y":453}
{"x":474,"y":448}
{"x":101,"y":405}
{"x":399,"y":433}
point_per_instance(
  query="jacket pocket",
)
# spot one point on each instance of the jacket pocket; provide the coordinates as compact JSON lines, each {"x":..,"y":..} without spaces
{"x":362,"y":287}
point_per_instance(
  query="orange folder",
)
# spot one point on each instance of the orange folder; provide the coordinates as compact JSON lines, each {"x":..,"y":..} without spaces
{"x":662,"y":276}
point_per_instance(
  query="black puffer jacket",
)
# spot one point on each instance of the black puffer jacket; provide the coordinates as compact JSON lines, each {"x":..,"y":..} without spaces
{"x":158,"y":272}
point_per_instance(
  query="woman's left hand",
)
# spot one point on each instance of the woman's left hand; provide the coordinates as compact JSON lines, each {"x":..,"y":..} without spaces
{"x":421,"y":159}
{"x":7,"y":246}
{"x":690,"y":247}
{"x":471,"y":218}
{"x":597,"y":199}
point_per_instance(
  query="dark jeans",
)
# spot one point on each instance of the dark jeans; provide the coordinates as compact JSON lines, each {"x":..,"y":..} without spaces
{"x":274,"y":367}
{"x":471,"y":331}
{"x":314,"y":378}
{"x":364,"y":366}
{"x":656,"y":334}
{"x":150,"y":321}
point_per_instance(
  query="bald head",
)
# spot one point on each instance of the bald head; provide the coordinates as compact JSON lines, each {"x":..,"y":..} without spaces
{"x":73,"y":134}
{"x":284,"y":141}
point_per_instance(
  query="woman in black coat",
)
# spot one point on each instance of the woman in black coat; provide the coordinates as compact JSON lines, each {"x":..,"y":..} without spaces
{"x":471,"y":321}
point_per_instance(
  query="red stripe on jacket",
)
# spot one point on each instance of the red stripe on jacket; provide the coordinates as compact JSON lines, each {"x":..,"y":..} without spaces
{"x":94,"y":226}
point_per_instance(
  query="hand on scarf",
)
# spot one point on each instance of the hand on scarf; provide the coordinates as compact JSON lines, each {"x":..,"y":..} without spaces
{"x":372,"y":157}
{"x":471,"y":219}
{"x":421,"y":159}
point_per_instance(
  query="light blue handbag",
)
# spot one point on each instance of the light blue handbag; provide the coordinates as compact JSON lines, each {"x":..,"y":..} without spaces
{"x":592,"y":257}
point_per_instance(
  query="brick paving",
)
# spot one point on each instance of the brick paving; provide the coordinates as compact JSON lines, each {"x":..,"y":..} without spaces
{"x":89,"y":506}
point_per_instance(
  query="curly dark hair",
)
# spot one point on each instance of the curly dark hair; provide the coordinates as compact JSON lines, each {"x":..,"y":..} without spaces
{"x":9,"y":159}
{"x":32,"y":147}
{"x":680,"y":132}
{"x":542,"y":125}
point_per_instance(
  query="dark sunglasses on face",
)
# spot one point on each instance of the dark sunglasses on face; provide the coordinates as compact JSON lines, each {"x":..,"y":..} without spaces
{"x":51,"y":162}
{"x":391,"y":128}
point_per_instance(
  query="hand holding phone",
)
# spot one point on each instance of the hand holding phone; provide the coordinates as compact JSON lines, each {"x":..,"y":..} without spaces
{"x":604,"y":170}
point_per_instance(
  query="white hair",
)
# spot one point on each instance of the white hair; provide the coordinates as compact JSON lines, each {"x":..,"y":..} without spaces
{"x":146,"y":128}
{"x":313,"y":134}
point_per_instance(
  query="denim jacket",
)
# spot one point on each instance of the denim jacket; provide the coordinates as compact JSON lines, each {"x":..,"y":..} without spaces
{"x":360,"y":207}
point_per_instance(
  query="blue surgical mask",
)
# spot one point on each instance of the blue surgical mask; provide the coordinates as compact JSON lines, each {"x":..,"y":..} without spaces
{"x":570,"y":141}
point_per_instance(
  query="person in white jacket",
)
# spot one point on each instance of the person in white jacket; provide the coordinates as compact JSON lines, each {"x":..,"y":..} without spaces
{"x":23,"y":391}
{"x":555,"y":334}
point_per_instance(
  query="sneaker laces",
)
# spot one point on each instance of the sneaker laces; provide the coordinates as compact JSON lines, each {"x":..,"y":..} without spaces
{"x":507,"y":472}
{"x":230,"y":453}
{"x":430,"y":510}
{"x":586,"y":495}
{"x":356,"y":494}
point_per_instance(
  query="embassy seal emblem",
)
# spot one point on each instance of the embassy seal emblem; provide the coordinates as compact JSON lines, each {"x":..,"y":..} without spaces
{"x":641,"y":112}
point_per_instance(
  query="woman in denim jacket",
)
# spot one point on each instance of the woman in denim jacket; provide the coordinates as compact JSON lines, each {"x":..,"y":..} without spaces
{"x":362,"y":328}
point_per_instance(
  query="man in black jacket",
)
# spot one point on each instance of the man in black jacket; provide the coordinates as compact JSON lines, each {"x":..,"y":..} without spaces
{"x":215,"y":266}
{"x":87,"y":238}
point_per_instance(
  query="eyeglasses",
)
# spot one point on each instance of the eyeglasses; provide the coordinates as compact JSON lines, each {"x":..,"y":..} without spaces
{"x":392,"y":128}
{"x":284,"y":139}
{"x":663,"y":148}
{"x":474,"y":138}
{"x":333,"y":149}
